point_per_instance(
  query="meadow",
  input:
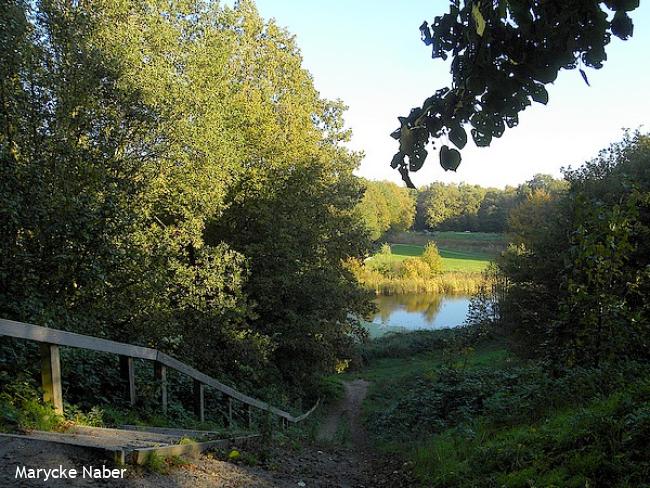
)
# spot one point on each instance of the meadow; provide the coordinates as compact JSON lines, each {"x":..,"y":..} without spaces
{"x":452,"y":259}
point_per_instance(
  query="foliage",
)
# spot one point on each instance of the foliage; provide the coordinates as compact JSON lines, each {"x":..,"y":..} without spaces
{"x":600,"y":444}
{"x":577,"y":280}
{"x":504,"y":53}
{"x":171,"y":178}
{"x":432,"y":257}
{"x":473,"y":208}
{"x":492,"y":421}
{"x":22,"y":409}
{"x":386,"y":207}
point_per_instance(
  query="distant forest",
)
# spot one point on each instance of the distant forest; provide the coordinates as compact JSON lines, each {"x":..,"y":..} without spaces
{"x":387,"y":207}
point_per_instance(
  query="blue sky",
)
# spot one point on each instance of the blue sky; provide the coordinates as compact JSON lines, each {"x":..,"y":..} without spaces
{"x":369,"y":54}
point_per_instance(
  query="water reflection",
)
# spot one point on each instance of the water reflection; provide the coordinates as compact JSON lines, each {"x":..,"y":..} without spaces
{"x":420,"y":311}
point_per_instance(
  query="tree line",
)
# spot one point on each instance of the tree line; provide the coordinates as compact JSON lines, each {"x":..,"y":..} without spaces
{"x":387,"y":207}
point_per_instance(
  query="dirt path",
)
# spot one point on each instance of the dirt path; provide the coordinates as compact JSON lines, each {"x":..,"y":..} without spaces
{"x":348,"y":409}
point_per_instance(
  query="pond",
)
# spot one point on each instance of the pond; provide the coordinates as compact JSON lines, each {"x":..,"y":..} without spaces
{"x":418,"y":311}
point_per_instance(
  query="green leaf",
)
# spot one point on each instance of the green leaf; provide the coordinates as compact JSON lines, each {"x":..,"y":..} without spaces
{"x":449,"y":158}
{"x":398,"y":160}
{"x":458,"y":136}
{"x":481,"y":139}
{"x":622,"y":26}
{"x":539,"y":94}
{"x":478,"y":20}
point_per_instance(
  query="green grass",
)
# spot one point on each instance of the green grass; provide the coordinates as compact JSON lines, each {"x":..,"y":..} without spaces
{"x":452,"y":260}
{"x":496,"y":421}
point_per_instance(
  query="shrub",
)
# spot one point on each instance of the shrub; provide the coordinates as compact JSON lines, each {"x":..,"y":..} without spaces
{"x":432,"y":257}
{"x":415,"y":268}
{"x":22,"y":409}
{"x":385,"y":265}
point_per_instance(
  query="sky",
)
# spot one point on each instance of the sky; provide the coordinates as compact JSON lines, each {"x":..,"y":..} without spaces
{"x":369,"y":54}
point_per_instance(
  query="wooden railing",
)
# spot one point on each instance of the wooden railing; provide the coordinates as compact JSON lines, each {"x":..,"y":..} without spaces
{"x":51,"y":339}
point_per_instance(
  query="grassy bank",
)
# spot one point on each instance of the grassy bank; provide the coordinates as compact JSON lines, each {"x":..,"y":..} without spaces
{"x":463,"y":258}
{"x":477,"y":416}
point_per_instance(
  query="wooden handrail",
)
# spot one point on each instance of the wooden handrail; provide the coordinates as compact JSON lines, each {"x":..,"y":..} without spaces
{"x":57,"y":337}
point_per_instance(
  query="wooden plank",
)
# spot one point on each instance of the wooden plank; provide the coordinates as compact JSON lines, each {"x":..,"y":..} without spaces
{"x":160,"y":374}
{"x":127,"y":372}
{"x":116,"y":454}
{"x":230,"y":421}
{"x":37,"y":333}
{"x":140,"y":456}
{"x":307,"y":414}
{"x":199,"y":400}
{"x":51,"y":376}
{"x":173,"y":431}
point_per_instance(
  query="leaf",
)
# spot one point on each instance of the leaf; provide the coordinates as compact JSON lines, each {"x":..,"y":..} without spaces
{"x":458,"y":136}
{"x":398,"y":160}
{"x":622,"y":26}
{"x":481,"y":139}
{"x":478,"y":20}
{"x":406,"y":140}
{"x":426,"y":33}
{"x":584,"y":76}
{"x":449,"y":158}
{"x":627,"y":5}
{"x":539,"y":94}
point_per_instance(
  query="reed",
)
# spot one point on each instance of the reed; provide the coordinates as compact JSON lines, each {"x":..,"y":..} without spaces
{"x":451,"y":283}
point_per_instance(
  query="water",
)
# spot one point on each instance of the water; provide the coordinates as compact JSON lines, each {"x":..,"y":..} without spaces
{"x":418,"y":311}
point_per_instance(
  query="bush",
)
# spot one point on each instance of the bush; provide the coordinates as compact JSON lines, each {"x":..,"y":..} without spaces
{"x":21,"y":408}
{"x":385,"y":265}
{"x":432,"y":257}
{"x":601,"y":444}
{"x":415,"y":268}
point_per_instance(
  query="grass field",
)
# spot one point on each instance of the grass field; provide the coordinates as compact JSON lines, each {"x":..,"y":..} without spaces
{"x":452,"y":260}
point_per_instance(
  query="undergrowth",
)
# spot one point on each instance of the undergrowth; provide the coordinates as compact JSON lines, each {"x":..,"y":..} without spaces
{"x":466,"y":414}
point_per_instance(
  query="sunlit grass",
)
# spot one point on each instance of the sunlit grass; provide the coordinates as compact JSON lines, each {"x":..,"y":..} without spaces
{"x":452,"y":260}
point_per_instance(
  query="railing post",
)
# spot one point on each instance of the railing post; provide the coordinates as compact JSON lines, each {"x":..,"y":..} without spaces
{"x":230,"y":423}
{"x":160,"y":374}
{"x":227,"y":405}
{"x":127,"y":372}
{"x":250,"y":416}
{"x":51,"y":376}
{"x":199,"y":400}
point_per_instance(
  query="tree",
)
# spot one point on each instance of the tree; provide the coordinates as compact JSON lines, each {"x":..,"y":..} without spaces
{"x":503,"y":55}
{"x":577,"y":281}
{"x":431,"y":256}
{"x":386,"y":207}
{"x":185,"y":188}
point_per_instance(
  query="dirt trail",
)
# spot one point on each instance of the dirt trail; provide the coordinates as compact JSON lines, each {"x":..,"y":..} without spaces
{"x":349,"y":408}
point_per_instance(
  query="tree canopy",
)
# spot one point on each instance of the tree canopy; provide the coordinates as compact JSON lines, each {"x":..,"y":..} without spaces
{"x":171,"y":177}
{"x":503,"y":54}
